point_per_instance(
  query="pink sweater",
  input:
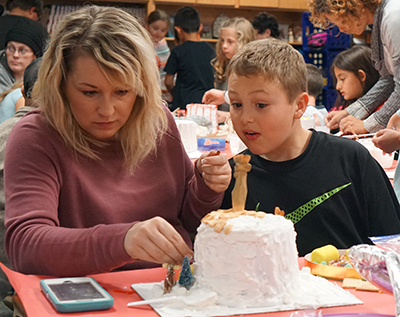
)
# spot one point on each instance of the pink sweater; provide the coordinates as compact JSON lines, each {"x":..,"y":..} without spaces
{"x":67,"y":215}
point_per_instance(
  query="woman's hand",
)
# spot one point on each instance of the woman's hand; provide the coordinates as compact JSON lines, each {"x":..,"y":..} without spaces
{"x":156,"y":240}
{"x":215,"y":170}
{"x":352,"y":125}
{"x":333,"y":118}
{"x":388,"y":140}
{"x":213,"y":97}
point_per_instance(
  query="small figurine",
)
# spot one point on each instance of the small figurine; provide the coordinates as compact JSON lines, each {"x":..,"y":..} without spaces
{"x":186,"y":278}
{"x":239,"y":192}
{"x":169,"y":281}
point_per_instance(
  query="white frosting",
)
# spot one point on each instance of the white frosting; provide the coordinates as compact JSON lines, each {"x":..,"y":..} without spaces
{"x":255,"y":264}
{"x":187,"y":130}
{"x":253,"y":269}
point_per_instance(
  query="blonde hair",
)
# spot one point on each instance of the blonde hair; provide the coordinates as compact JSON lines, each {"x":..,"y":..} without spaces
{"x":16,"y":85}
{"x":278,"y":61}
{"x":342,"y":9}
{"x":125,"y":54}
{"x":245,"y":34}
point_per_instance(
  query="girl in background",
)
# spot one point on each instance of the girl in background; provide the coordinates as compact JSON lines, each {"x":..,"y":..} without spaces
{"x":8,"y":100}
{"x":157,"y":24}
{"x":234,"y":33}
{"x":352,"y":16}
{"x":353,"y":75}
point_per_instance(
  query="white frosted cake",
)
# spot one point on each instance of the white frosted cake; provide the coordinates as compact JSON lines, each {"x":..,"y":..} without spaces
{"x":248,"y":258}
{"x":245,"y":263}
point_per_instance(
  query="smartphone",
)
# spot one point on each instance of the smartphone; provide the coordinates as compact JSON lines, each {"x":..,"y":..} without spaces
{"x":76,"y":294}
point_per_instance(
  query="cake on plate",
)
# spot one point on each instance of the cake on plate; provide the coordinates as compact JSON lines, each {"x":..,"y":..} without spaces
{"x":245,"y":262}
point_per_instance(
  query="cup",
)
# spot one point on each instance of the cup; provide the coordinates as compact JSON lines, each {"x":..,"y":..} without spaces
{"x":386,"y":160}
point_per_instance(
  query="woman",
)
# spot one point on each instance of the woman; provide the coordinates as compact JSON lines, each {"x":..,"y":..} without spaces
{"x":24,"y":43}
{"x":108,"y":184}
{"x":352,"y":16}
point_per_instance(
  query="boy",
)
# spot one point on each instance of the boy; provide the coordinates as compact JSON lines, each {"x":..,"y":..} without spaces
{"x":331,"y":188}
{"x":315,"y":84}
{"x":191,"y":61}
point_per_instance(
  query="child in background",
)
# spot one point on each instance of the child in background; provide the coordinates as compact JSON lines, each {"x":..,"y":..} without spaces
{"x":319,"y":180}
{"x":190,"y":61}
{"x":352,"y":16}
{"x":315,"y":84}
{"x":353,"y":75}
{"x":157,"y":24}
{"x":265,"y":25}
{"x":8,"y":100}
{"x":234,"y":33}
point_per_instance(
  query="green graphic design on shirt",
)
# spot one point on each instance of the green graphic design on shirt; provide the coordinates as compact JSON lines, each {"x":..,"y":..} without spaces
{"x":300,"y":212}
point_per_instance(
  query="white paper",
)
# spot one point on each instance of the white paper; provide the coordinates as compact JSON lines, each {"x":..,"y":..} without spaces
{"x":318,"y":293}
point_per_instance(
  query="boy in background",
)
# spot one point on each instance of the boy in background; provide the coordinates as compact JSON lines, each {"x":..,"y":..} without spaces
{"x":191,"y":61}
{"x":315,"y":84}
{"x":331,"y":188}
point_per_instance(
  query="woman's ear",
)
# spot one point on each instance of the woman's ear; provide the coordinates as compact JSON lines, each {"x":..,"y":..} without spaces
{"x":362,"y":76}
{"x":301,"y":105}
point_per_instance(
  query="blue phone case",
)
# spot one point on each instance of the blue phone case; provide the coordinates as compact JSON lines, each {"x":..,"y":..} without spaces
{"x":76,"y":305}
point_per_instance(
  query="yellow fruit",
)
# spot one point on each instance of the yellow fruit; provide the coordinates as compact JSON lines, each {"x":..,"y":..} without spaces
{"x":326,"y":253}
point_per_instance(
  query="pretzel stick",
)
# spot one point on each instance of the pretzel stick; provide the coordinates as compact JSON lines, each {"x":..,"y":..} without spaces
{"x":352,"y":131}
{"x":239,"y":193}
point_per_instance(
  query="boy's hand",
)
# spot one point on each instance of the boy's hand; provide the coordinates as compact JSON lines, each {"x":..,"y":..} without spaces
{"x":333,"y":118}
{"x":156,"y":240}
{"x":213,"y":97}
{"x":388,"y":140}
{"x":215,"y":170}
{"x":352,"y":125}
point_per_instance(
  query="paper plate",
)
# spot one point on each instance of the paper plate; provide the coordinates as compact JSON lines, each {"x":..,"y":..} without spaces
{"x":332,"y":272}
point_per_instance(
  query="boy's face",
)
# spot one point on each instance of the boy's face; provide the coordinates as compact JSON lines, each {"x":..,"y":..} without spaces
{"x":264,"y":118}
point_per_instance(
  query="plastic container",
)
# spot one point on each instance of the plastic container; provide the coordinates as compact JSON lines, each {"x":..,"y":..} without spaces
{"x":386,"y":160}
{"x":208,"y":144}
{"x":335,"y":39}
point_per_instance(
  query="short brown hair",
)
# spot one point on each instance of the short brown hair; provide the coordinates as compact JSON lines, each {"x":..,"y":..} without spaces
{"x":276,"y":60}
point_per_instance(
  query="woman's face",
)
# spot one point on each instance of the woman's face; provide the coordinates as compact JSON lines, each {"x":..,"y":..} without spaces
{"x":99,"y":107}
{"x":351,"y":25}
{"x":19,"y":56}
{"x":229,"y":44}
{"x":158,"y":30}
{"x":348,"y":84}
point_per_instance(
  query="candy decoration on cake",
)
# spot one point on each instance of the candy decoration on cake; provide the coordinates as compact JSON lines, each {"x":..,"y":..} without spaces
{"x":279,"y":211}
{"x":239,"y":193}
{"x":186,"y":278}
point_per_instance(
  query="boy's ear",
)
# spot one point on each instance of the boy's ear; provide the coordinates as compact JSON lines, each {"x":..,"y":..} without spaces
{"x":301,"y":105}
{"x":200,"y":28}
{"x":23,"y":91}
{"x":362,"y":76}
{"x":178,"y":30}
